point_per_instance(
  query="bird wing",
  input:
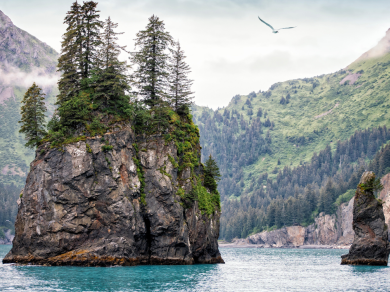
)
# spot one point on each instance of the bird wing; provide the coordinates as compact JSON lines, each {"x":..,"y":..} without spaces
{"x":286,"y":27}
{"x":266,"y":23}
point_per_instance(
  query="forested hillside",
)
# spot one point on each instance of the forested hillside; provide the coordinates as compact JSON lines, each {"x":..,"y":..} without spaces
{"x":270,"y":146}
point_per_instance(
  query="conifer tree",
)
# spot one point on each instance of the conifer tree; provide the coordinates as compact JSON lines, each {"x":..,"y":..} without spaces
{"x":78,"y":48}
{"x":179,"y":84}
{"x":151,"y":59}
{"x":71,"y":51}
{"x":211,"y":175}
{"x":91,"y":41}
{"x":112,"y":79}
{"x":33,"y":116}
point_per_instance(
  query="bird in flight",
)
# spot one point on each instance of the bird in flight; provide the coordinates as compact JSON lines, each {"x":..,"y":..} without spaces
{"x":275,"y":30}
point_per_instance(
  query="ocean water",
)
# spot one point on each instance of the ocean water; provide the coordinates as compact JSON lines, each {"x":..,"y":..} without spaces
{"x":245,"y":270}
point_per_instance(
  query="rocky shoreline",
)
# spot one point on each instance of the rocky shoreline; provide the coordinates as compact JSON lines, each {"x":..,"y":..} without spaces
{"x":328,"y":231}
{"x":242,"y":244}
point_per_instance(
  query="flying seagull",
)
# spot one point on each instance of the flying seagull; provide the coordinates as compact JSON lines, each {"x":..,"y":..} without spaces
{"x":275,"y":30}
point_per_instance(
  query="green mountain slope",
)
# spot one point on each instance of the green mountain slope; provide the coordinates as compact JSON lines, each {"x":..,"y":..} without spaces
{"x":320,"y":111}
{"x":23,"y":60}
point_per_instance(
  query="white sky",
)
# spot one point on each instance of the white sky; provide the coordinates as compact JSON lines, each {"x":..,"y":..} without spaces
{"x":229,"y":50}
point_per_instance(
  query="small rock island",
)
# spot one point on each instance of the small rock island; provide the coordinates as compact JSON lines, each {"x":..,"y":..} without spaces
{"x":370,"y":245}
{"x":117,"y":177}
{"x":83,"y":205}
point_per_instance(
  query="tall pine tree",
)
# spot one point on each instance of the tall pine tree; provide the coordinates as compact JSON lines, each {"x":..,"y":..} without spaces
{"x":91,"y":41}
{"x":151,"y":60}
{"x":78,"y":59}
{"x":180,"y":93}
{"x":111,"y":82}
{"x":211,"y":175}
{"x":69,"y":63}
{"x":33,"y":116}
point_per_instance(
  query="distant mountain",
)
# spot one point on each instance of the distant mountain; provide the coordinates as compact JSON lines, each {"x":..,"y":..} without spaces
{"x":23,"y":60}
{"x":263,"y":132}
{"x":21,"y":50}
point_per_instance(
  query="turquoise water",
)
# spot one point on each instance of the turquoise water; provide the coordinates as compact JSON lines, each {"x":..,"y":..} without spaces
{"x":245,"y":270}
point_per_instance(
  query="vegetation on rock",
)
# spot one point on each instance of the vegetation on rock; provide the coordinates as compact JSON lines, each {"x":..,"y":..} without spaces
{"x":95,"y":96}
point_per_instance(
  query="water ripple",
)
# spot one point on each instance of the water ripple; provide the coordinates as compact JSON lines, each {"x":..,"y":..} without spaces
{"x":245,"y":270}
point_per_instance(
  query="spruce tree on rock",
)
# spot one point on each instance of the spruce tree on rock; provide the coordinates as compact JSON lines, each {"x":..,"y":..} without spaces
{"x":91,"y":41}
{"x":69,"y":63}
{"x":112,"y":80}
{"x":151,"y":59}
{"x":33,"y":116}
{"x":211,"y":175}
{"x":78,"y":49}
{"x":180,"y":86}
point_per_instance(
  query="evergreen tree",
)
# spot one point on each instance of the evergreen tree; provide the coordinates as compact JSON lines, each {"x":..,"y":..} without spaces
{"x":69,"y":63}
{"x":211,"y":175}
{"x":33,"y":116}
{"x":110,"y":79}
{"x":151,"y":59}
{"x":91,"y":41}
{"x":180,"y":93}
{"x":271,"y":215}
{"x":259,"y":112}
{"x":78,"y":58}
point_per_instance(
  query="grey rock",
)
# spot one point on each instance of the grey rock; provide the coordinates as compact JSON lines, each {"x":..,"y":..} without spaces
{"x":370,"y":245}
{"x":81,"y":206}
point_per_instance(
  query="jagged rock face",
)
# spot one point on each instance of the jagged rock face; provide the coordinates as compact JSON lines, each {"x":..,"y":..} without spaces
{"x":286,"y":237}
{"x":22,"y":50}
{"x":82,"y":206}
{"x":344,"y":220}
{"x":385,"y":197}
{"x":370,"y":245}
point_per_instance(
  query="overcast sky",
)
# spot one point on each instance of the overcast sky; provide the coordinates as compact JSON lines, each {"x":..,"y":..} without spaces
{"x":229,"y":50}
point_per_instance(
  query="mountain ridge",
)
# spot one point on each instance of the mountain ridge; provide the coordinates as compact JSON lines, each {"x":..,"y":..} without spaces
{"x":20,"y":49}
{"x":258,"y":135}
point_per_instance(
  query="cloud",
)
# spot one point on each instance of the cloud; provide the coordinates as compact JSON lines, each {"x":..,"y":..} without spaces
{"x":227,"y":47}
{"x":12,"y":76}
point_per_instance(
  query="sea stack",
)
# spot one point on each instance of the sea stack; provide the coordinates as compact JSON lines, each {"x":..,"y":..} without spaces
{"x":370,"y":245}
{"x":117,"y":199}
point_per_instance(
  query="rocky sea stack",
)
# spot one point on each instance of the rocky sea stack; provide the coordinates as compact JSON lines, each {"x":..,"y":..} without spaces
{"x":370,"y":245}
{"x":118,"y":199}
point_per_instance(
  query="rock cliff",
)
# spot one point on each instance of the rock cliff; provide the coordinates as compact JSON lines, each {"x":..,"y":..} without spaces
{"x":385,"y":197}
{"x":327,"y":230}
{"x":112,"y":201}
{"x":370,"y":244}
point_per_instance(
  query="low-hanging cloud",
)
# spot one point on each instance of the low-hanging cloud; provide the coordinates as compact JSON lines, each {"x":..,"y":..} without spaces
{"x":12,"y":76}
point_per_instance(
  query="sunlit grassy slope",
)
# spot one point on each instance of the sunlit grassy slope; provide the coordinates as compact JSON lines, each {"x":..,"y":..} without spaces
{"x":363,"y":104}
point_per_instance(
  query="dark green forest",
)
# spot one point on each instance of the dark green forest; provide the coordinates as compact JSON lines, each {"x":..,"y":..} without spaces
{"x":294,"y":195}
{"x":9,"y":193}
